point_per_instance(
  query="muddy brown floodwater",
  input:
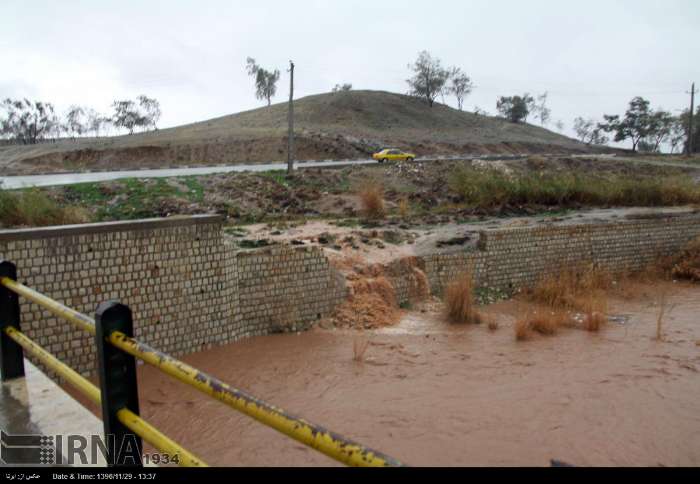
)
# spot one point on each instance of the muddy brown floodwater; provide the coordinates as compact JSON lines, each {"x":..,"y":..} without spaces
{"x":431,"y":394}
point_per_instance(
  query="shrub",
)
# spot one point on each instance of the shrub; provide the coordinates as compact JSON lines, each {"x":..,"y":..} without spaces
{"x":372,"y":200}
{"x":459,"y":301}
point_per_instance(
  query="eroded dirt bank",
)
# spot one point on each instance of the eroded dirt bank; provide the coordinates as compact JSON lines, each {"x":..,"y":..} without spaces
{"x":433,"y":394}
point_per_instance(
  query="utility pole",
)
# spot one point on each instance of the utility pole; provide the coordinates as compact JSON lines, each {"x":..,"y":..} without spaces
{"x":691,"y":144}
{"x":290,"y":136}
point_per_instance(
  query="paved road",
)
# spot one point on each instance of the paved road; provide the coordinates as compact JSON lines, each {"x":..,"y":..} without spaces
{"x":12,"y":182}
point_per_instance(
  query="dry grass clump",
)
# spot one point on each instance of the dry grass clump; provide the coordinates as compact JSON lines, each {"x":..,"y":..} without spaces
{"x":34,"y":208}
{"x":372,"y":200}
{"x":359,"y":348}
{"x":523,"y":331}
{"x":663,"y":310}
{"x":594,"y":322}
{"x":570,"y":299}
{"x":595,"y":312}
{"x":572,"y":289}
{"x":404,"y":208}
{"x":459,"y":301}
{"x":546,"y":322}
{"x":687,"y":264}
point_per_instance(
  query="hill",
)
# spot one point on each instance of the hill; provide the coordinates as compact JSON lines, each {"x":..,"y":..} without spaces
{"x":328,"y":126}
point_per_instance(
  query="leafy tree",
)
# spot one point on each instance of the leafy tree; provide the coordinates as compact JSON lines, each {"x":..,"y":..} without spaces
{"x":265,"y":81}
{"x":26,"y":121}
{"x":429,"y":78}
{"x":126,"y":115}
{"x":516,"y":109}
{"x":635,"y":126}
{"x":542,"y":112}
{"x":660,"y":127}
{"x":460,"y":85}
{"x":678,"y":134}
{"x":150,"y":111}
{"x":342,"y":88}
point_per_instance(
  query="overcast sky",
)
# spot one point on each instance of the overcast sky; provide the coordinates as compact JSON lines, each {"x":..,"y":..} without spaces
{"x":591,"y":56}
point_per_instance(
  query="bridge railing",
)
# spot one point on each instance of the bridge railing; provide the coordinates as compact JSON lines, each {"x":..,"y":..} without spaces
{"x":117,"y":395}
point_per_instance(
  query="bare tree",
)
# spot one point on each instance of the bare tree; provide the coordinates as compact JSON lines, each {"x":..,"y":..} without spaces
{"x":589,"y":132}
{"x":150,"y":111}
{"x":542,"y":112}
{"x":76,"y":121}
{"x":460,"y":85}
{"x":95,"y":122}
{"x":429,"y":78}
{"x":27,"y":121}
{"x":559,"y":125}
{"x":265,"y":81}
{"x":126,"y":115}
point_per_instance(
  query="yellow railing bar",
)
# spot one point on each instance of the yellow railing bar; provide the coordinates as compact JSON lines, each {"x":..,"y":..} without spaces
{"x":316,"y":437}
{"x":329,"y":443}
{"x":132,"y":421}
{"x":82,"y":321}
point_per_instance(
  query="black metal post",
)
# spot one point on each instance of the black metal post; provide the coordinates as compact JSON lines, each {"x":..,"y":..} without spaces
{"x":11,"y":354}
{"x":117,"y":372}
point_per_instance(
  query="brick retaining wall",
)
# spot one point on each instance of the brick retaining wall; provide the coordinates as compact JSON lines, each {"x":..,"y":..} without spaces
{"x":508,"y":259}
{"x":187,"y":289}
{"x":190,"y":291}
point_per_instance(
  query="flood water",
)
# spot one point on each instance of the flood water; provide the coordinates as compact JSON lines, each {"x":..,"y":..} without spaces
{"x":431,"y":394}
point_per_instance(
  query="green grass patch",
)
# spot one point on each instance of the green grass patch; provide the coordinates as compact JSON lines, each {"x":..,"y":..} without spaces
{"x":487,"y":188}
{"x":33,"y":208}
{"x":134,"y":198}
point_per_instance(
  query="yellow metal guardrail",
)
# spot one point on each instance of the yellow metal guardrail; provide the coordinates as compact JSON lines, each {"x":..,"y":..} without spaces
{"x":135,"y":423}
{"x":311,"y":435}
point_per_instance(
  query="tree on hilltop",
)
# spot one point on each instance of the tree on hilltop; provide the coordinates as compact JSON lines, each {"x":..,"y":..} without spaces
{"x":265,"y":81}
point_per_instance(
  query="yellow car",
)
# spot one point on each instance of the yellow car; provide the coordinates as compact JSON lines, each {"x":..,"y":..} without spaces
{"x":391,"y":154}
